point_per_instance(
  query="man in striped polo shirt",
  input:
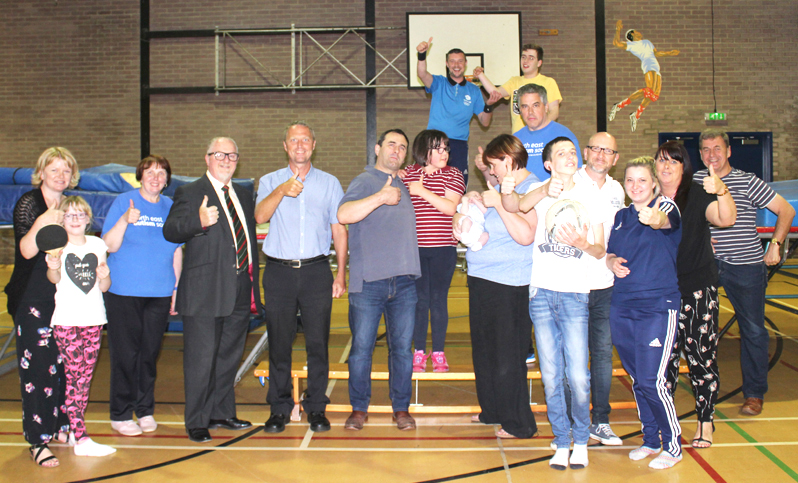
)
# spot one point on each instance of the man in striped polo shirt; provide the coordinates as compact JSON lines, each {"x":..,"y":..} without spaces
{"x":740,"y":258}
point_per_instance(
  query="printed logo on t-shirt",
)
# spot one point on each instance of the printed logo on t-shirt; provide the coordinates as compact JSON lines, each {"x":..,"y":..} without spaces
{"x":655,"y":343}
{"x":467,"y":100}
{"x":561,"y":213}
{"x":83,"y":273}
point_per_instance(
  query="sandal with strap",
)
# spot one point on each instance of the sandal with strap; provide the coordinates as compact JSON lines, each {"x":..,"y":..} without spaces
{"x":700,"y":442}
{"x":43,"y":457}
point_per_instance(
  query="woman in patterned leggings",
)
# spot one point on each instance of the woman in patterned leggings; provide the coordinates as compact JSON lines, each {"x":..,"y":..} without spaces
{"x":31,"y":304}
{"x":698,"y":278}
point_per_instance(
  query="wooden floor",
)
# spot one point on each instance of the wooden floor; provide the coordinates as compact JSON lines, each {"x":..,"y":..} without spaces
{"x":444,"y":447}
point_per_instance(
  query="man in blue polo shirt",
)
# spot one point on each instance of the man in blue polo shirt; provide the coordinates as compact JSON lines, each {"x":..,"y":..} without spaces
{"x":301,"y":204}
{"x":454,"y":101}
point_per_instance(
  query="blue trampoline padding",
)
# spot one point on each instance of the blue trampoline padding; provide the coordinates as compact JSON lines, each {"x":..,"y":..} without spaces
{"x":787,"y":189}
{"x":15,"y":176}
{"x":105,"y":178}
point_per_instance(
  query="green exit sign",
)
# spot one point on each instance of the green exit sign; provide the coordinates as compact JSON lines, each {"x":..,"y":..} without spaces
{"x":715,"y":116}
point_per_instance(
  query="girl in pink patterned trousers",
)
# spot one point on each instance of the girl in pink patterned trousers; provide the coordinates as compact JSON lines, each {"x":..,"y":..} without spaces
{"x":80,"y":275}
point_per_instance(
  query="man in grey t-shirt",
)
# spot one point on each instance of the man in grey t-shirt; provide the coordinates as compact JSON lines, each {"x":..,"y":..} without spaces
{"x":383,"y":266}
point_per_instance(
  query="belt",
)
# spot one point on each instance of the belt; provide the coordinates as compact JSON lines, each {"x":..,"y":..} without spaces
{"x":297,"y":263}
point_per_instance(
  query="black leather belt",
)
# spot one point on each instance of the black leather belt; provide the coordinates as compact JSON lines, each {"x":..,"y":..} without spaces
{"x":297,"y":263}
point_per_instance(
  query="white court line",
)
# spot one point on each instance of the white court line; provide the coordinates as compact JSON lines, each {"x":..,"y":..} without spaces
{"x":330,"y":387}
{"x":596,"y":447}
{"x":500,"y":445}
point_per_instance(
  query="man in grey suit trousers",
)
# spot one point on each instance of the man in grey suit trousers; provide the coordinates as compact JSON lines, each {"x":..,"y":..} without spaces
{"x":215,"y":292}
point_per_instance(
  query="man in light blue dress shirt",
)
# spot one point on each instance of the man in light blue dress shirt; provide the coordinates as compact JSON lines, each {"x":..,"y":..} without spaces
{"x":300,"y":203}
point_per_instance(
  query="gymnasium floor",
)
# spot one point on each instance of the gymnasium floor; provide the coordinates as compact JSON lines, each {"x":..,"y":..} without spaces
{"x":444,"y":447}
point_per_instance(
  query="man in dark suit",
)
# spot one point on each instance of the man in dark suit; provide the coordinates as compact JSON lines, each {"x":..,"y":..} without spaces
{"x":215,"y":292}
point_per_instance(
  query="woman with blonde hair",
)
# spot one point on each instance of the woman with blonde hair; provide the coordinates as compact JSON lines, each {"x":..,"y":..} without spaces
{"x":31,"y":302}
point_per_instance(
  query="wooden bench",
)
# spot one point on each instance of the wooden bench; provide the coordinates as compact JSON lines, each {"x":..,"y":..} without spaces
{"x":380,"y":373}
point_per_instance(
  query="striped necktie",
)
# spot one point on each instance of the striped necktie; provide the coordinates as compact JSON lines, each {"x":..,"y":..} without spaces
{"x":242,"y":257}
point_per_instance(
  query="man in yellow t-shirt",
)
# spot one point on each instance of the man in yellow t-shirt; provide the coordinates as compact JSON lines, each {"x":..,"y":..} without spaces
{"x":531,"y":60}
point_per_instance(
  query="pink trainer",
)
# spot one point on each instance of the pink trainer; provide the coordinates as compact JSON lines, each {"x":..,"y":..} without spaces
{"x":439,"y":363}
{"x":420,"y":361}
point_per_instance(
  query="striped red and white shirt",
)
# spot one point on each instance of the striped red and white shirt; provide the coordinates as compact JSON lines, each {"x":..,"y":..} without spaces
{"x":433,"y":227}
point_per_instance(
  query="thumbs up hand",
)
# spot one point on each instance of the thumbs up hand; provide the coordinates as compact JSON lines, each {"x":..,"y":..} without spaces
{"x":424,"y":46}
{"x":651,"y":215}
{"x":712,"y":183}
{"x":390,"y":195}
{"x":53,"y":216}
{"x":132,"y":214}
{"x":209,"y":215}
{"x":417,"y":187}
{"x":293,"y":186}
{"x":556,"y":185}
{"x":508,"y":185}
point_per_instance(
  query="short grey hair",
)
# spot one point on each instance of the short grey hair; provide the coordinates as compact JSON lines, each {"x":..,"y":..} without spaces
{"x":299,"y":123}
{"x":533,"y":89}
{"x":216,"y":140}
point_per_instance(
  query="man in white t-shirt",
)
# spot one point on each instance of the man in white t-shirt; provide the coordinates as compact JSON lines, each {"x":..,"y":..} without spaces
{"x":647,"y":53}
{"x":569,"y":239}
{"x":600,"y":155}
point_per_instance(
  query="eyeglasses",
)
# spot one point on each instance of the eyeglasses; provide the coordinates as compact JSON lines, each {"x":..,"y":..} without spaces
{"x":599,"y":149}
{"x":76,"y":216}
{"x":670,"y":161}
{"x":219,"y":156}
{"x":441,"y":149}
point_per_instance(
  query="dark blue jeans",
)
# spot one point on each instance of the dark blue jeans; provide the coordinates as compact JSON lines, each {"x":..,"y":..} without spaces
{"x":745,"y":286}
{"x":600,"y":344}
{"x":437,"y":268}
{"x":396,"y":298}
{"x":458,"y":157}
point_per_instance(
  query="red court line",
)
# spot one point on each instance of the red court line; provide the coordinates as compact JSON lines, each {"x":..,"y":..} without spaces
{"x":315,"y":438}
{"x":706,"y":466}
{"x":790,"y":366}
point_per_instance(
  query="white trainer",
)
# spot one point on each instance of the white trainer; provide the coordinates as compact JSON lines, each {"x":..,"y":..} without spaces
{"x":126,"y":428}
{"x":148,"y":424}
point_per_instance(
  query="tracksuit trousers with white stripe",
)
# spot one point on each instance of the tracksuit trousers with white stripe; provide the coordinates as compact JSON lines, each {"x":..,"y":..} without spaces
{"x":643,"y":332}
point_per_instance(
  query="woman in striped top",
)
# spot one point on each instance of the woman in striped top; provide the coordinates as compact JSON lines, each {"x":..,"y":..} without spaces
{"x":435,"y":189}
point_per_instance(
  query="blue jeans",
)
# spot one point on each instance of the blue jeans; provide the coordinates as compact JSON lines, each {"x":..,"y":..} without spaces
{"x":432,"y":310}
{"x":396,"y":298}
{"x":600,"y":344}
{"x":561,"y":335}
{"x":745,"y":286}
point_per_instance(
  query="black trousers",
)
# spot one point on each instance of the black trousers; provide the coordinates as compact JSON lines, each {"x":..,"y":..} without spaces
{"x":135,"y":331}
{"x":500,"y":329}
{"x":41,"y":373}
{"x":212,"y":349}
{"x":285,"y":289}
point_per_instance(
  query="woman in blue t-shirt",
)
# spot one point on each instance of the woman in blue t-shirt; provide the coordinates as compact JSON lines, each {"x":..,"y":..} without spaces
{"x":145,"y":271}
{"x":645,"y":306}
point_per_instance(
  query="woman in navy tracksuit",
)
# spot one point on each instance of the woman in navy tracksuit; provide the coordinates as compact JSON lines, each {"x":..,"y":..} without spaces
{"x":645,"y":306}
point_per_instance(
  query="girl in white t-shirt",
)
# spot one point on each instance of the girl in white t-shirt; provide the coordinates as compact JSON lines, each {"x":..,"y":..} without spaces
{"x":80,"y":275}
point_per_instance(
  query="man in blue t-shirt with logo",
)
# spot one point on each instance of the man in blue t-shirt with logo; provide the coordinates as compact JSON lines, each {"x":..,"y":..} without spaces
{"x":454,"y":102}
{"x":539,"y":130}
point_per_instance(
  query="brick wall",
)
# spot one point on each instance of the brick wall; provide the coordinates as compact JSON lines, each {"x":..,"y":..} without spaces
{"x":71,"y":77}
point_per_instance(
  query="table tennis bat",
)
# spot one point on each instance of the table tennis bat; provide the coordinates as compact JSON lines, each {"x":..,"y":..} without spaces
{"x":51,"y":239}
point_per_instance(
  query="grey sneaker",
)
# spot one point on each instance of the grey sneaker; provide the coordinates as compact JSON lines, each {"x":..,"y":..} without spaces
{"x":603,"y":433}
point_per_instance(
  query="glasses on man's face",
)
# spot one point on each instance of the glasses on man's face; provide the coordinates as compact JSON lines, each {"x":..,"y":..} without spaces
{"x":599,"y":149}
{"x":441,"y":149}
{"x":219,"y":156}
{"x":76,"y":216}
